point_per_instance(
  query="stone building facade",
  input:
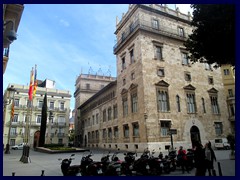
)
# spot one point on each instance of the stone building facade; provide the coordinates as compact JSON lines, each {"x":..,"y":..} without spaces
{"x":85,"y":87}
{"x":58,"y":102}
{"x":228,"y":75}
{"x":157,"y":88}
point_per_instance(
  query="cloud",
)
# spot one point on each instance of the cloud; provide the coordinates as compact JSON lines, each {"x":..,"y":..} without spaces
{"x":64,"y":23}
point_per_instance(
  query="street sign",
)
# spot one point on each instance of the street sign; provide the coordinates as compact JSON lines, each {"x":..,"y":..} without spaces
{"x":172,"y":131}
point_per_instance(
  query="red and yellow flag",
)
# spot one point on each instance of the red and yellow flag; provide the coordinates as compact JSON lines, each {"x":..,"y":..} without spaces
{"x":12,"y":110}
{"x":35,"y":82}
{"x":30,"y":91}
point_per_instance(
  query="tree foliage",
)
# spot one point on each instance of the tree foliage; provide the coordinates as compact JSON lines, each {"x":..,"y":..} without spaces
{"x":43,"y":122}
{"x":213,"y":38}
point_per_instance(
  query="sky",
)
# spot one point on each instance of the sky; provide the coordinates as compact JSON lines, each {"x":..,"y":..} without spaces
{"x":65,"y":40}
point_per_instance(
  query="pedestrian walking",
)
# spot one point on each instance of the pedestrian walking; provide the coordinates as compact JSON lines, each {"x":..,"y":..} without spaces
{"x":199,"y":158}
{"x":210,"y":158}
{"x":182,"y":159}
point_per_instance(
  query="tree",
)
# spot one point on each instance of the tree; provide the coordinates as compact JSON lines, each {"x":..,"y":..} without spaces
{"x":213,"y":38}
{"x":43,"y":122}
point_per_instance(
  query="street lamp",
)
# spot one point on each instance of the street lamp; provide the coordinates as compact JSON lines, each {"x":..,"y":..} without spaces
{"x":10,"y":99}
{"x":11,"y":35}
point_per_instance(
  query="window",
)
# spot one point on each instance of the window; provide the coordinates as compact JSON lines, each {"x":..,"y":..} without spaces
{"x":61,"y":120}
{"x":125,"y":107}
{"x":203,"y":105}
{"x":165,"y":126}
{"x":87,"y":86}
{"x":97,"y":116}
{"x":185,"y":60}
{"x":39,"y":117}
{"x":110,"y":133}
{"x":115,"y":131}
{"x":226,"y":72}
{"x":180,"y":31}
{"x":115,"y":112}
{"x":134,"y":102}
{"x":178,"y":103}
{"x":40,"y":104}
{"x":13,"y":131}
{"x":232,"y":109}
{"x":16,"y":102}
{"x":123,"y":36}
{"x":93,"y":119}
{"x":125,"y":131}
{"x":132,"y":76}
{"x":230,"y":92}
{"x":158,"y":53}
{"x":109,"y":114}
{"x":155,"y":24}
{"x":123,"y":63}
{"x":160,"y":72}
{"x":61,"y":106}
{"x":29,"y":103}
{"x":51,"y":105}
{"x":210,"y":80}
{"x":104,"y":115}
{"x":104,"y":133}
{"x":214,"y":104}
{"x":135,"y":129}
{"x":131,"y":28}
{"x":187,"y":76}
{"x":97,"y":134}
{"x":132,"y":56}
{"x":15,"y":118}
{"x":163,"y":101}
{"x":218,"y":128}
{"x":191,"y":103}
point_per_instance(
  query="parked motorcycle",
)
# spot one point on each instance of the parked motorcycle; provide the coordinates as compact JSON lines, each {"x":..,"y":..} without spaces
{"x":68,"y":170}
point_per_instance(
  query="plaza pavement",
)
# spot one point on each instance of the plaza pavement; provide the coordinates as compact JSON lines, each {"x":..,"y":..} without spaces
{"x":50,"y":163}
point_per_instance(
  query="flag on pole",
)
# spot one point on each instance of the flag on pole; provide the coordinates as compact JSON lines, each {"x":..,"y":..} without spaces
{"x":12,"y":110}
{"x":30,"y":91}
{"x":35,"y":82}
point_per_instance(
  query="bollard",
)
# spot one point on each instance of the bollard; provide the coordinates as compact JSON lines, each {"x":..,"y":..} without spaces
{"x":13,"y":173}
{"x":219,"y":169}
{"x":42,"y":173}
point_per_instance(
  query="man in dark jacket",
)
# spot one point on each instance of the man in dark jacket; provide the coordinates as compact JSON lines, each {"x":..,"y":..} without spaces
{"x":199,"y":158}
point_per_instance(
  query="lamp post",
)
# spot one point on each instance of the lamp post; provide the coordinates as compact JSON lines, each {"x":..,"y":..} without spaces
{"x":10,"y":99}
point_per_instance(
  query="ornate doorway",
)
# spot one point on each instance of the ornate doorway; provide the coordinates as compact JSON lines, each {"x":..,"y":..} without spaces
{"x":195,"y":135}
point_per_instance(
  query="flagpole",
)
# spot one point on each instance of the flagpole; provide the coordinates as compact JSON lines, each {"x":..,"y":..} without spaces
{"x":26,"y":148}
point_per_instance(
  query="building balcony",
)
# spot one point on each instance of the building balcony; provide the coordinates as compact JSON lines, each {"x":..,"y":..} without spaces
{"x":147,"y":26}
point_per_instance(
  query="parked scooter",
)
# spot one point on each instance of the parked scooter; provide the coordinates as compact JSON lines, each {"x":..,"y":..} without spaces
{"x":90,"y":167}
{"x":141,"y":165}
{"x":127,"y":165}
{"x":114,"y":167}
{"x":68,"y":170}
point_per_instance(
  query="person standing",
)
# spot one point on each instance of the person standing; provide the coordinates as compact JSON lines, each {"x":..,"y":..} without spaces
{"x":182,"y":158}
{"x":199,"y":158}
{"x":210,"y":158}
